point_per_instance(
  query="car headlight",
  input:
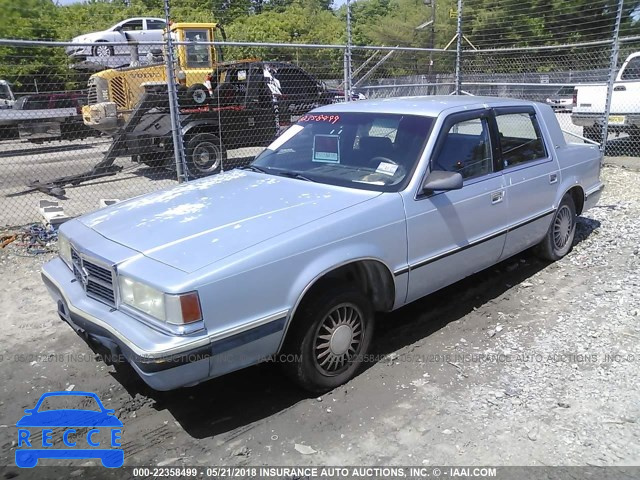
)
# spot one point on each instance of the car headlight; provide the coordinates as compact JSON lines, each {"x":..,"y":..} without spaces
{"x":64,"y":250}
{"x":176,"y":309}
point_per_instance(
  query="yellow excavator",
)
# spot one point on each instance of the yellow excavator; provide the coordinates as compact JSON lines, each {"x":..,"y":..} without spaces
{"x":114,"y":93}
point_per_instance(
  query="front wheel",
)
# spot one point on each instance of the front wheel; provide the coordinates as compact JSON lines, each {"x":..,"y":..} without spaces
{"x":559,"y":238}
{"x":197,"y":94}
{"x":329,"y":338}
{"x":102,"y":50}
{"x":205,"y":155}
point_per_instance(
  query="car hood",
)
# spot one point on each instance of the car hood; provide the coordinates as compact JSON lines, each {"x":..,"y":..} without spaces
{"x":89,"y":37}
{"x":201,"y":222}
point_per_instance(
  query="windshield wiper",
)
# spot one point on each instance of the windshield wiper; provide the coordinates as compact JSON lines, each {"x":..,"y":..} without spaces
{"x":296,"y":175}
{"x":254,"y":168}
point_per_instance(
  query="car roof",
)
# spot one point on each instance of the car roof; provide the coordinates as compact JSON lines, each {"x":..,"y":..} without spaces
{"x":140,"y":18}
{"x":432,"y":105}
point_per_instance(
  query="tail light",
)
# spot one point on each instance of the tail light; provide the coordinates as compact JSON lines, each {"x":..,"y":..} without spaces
{"x":575,"y":96}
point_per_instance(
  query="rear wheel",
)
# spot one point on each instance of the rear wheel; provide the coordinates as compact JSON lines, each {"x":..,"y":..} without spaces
{"x":328,"y":338}
{"x":205,"y":154}
{"x":559,"y":238}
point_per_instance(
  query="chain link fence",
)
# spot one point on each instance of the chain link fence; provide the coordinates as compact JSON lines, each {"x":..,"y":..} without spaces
{"x":126,"y":118}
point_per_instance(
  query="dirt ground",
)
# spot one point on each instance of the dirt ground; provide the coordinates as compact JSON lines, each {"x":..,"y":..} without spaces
{"x":527,"y":363}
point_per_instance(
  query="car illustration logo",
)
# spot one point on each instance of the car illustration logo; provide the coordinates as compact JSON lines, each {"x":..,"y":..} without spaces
{"x":84,"y":433}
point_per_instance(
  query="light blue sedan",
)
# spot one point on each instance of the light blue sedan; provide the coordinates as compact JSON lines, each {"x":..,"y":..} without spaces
{"x":358,"y":208}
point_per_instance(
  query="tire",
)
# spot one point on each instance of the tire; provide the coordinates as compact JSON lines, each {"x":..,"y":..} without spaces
{"x":149,"y":159}
{"x":318,"y":363}
{"x":592,"y":133}
{"x":559,"y":238}
{"x":102,"y":50}
{"x":205,"y":155}
{"x":197,"y":94}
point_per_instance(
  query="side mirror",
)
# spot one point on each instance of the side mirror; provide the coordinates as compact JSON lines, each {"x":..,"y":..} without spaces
{"x":442,"y":180}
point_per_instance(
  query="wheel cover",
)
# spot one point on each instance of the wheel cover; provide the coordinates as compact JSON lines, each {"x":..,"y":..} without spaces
{"x":562,"y":227}
{"x":103,"y":51}
{"x":206,"y":157}
{"x":338,"y":339}
{"x":199,"y":96}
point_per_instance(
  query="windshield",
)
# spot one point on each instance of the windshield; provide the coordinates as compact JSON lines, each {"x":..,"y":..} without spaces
{"x":372,"y":151}
{"x":566,"y":91}
{"x":5,"y":92}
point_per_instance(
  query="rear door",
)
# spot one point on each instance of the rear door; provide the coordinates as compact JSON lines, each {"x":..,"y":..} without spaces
{"x":133,"y":30}
{"x":154,"y":31}
{"x":531,"y":176}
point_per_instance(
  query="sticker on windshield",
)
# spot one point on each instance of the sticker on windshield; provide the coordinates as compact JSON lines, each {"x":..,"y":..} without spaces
{"x":326,"y":148}
{"x":242,"y":75}
{"x":320,"y":118}
{"x":387,"y":168}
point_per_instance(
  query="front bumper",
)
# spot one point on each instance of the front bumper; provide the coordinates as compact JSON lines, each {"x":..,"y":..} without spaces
{"x":102,"y":116}
{"x":79,"y":51}
{"x":163,"y":361}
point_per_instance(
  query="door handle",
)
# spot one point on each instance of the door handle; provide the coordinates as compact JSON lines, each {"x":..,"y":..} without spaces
{"x":553,"y":178}
{"x":620,"y":88}
{"x":497,"y":197}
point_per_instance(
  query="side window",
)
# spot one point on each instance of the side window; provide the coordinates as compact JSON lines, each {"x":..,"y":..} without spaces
{"x":520,"y":138}
{"x":466,"y":149}
{"x":133,"y":25}
{"x":632,"y":70}
{"x":155,"y":25}
{"x":198,"y":54}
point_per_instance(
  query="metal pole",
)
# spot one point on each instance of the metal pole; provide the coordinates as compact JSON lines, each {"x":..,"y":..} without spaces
{"x":174,"y":109}
{"x":615,"y":50}
{"x":459,"y":49}
{"x":433,"y":45}
{"x":432,"y":42}
{"x":347,"y":57}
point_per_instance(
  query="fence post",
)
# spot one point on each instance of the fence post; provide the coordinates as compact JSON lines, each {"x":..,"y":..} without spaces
{"x":615,"y":50}
{"x":459,"y":49}
{"x":174,"y":108}
{"x":347,"y":57}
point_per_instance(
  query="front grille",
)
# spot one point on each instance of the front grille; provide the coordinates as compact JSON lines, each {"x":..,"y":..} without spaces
{"x":118,"y":92}
{"x":96,"y":280}
{"x":92,"y":94}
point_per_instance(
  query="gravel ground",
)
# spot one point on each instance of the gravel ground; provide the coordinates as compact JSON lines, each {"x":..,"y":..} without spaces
{"x":526,"y":363}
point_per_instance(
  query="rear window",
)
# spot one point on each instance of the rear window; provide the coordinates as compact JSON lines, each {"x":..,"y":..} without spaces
{"x":520,"y":138}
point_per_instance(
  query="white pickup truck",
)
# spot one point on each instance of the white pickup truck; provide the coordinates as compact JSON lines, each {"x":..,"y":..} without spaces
{"x":624,"y":116}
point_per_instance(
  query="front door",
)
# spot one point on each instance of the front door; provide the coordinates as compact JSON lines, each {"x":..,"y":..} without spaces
{"x":456,"y":233}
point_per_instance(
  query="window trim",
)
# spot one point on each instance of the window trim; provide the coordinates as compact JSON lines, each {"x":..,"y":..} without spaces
{"x":448,"y":122}
{"x":498,"y":111}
